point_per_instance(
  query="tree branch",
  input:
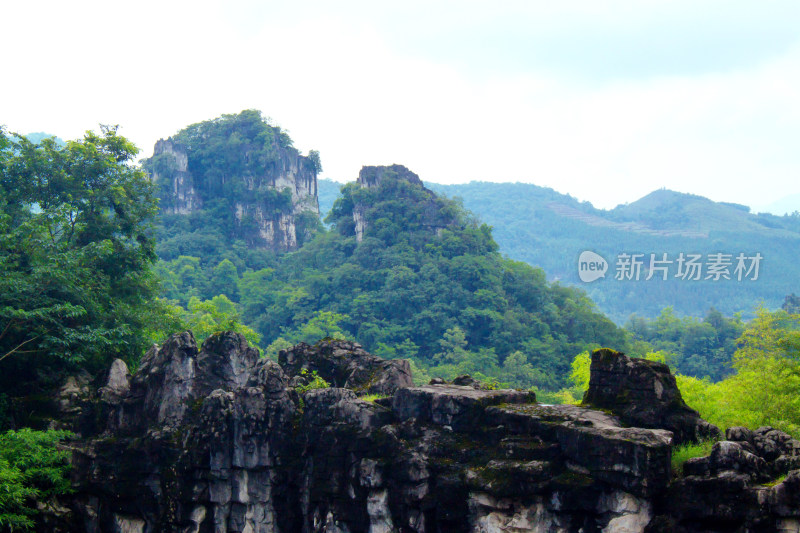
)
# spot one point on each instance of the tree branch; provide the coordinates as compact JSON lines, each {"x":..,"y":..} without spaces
{"x":20,"y":346}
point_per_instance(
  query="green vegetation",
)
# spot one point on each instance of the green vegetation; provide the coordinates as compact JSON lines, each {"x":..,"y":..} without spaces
{"x":776,"y":481}
{"x":426,"y":283}
{"x":372,"y":397}
{"x":698,"y":348}
{"x":234,"y":160}
{"x":684,"y":452}
{"x":31,"y":467}
{"x":545,"y":228}
{"x":76,"y":251}
{"x":763,"y":391}
{"x":205,"y":318}
{"x":313,"y":381}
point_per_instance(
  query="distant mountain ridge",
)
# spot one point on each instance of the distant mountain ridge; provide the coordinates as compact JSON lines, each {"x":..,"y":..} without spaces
{"x":548,"y":229}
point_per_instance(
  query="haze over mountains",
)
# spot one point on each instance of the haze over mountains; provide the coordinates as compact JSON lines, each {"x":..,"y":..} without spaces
{"x":545,"y":228}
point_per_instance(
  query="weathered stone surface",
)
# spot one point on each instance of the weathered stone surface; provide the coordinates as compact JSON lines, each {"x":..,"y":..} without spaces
{"x":217,"y":439}
{"x":118,"y":383}
{"x":346,"y":364}
{"x":182,"y":193}
{"x":634,"y":459}
{"x":643,"y":394}
{"x":727,"y":487}
{"x":459,"y":407}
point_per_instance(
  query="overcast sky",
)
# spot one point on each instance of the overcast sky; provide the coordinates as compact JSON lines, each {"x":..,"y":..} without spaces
{"x":604,"y":100}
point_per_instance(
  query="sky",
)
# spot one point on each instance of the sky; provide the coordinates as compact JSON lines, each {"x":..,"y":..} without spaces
{"x":606,"y":100}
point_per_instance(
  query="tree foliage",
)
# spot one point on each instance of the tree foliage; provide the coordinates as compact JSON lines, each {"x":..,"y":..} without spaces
{"x":425,"y":283}
{"x":763,"y":391}
{"x":698,"y":348}
{"x":31,"y":466}
{"x":76,"y":251}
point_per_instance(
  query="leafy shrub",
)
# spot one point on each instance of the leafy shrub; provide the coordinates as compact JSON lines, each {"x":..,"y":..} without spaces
{"x":30,"y":467}
{"x":313,"y":381}
{"x":372,"y":397}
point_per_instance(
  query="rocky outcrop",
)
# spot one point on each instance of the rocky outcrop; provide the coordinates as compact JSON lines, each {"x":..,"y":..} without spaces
{"x":216,"y":439}
{"x":749,"y":482}
{"x":643,"y":394}
{"x":266,"y":204}
{"x":346,"y":364}
{"x":372,"y":176}
{"x":170,"y":168}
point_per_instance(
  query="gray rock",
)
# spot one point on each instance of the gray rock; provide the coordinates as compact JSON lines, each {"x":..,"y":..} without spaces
{"x":346,"y":364}
{"x":217,"y":439}
{"x":458,"y":406}
{"x":643,"y":394}
{"x":118,"y":383}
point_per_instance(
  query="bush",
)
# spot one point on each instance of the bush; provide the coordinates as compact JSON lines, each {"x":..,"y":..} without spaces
{"x":31,"y":467}
{"x":313,"y":381}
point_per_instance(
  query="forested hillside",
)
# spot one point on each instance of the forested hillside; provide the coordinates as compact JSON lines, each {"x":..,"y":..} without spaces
{"x":403,"y":271}
{"x":550,"y":230}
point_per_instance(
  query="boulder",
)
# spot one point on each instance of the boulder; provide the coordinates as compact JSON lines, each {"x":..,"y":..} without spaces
{"x":643,"y":394}
{"x":346,"y":364}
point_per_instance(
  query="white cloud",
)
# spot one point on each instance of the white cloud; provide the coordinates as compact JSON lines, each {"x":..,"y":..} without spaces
{"x":343,"y":84}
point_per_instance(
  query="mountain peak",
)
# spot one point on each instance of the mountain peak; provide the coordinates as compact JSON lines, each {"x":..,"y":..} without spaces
{"x":372,"y":176}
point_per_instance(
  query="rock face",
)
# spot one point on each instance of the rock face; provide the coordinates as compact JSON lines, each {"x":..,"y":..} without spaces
{"x":346,"y":364}
{"x":734,"y":487}
{"x":644,"y":394}
{"x":173,"y":173}
{"x":371,"y":177}
{"x":215,"y":439}
{"x":263,"y":217}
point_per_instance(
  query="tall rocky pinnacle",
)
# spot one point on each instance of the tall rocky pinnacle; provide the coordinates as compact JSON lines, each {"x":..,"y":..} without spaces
{"x":264,"y":187}
{"x":216,"y":439}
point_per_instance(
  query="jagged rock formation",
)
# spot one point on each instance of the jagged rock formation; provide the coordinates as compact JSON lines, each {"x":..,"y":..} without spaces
{"x":216,"y":439}
{"x":345,"y":364}
{"x":644,"y":394}
{"x":174,"y":174}
{"x":265,"y":188}
{"x":730,"y":490}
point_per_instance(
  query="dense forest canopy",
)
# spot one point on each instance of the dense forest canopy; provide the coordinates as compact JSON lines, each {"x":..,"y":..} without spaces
{"x":426,"y":282}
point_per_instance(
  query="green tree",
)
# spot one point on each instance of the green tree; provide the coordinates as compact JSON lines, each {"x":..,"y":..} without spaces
{"x":453,"y":345}
{"x":224,"y":280}
{"x":76,"y":252}
{"x":763,"y":391}
{"x":218,"y":314}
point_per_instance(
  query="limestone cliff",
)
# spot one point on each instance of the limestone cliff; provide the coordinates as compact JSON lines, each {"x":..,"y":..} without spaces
{"x":244,"y":173}
{"x":216,"y":439}
{"x":180,"y":196}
